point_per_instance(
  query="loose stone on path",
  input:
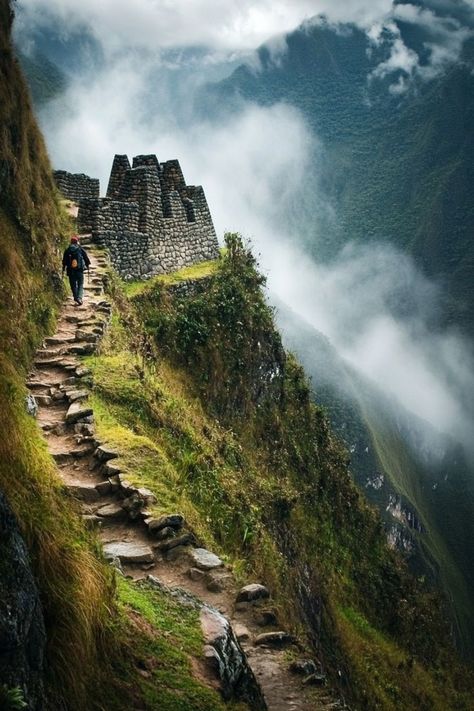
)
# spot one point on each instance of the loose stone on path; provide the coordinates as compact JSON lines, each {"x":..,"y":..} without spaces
{"x":129,"y":552}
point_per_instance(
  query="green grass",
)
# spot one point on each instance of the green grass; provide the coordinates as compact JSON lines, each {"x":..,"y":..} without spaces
{"x":167,"y":642}
{"x":196,"y":271}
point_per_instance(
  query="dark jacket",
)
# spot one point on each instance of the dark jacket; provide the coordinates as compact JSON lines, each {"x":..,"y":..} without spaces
{"x":73,"y":252}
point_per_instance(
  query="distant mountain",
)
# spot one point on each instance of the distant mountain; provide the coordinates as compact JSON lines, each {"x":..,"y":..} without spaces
{"x":396,"y":168}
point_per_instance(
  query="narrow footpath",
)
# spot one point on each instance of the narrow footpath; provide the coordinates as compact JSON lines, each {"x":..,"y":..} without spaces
{"x":137,"y":543}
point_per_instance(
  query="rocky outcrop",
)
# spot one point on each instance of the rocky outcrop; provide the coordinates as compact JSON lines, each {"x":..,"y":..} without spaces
{"x":22,"y":631}
{"x":226,"y":658}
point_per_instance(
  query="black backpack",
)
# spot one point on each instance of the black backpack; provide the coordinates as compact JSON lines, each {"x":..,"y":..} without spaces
{"x":76,"y":259}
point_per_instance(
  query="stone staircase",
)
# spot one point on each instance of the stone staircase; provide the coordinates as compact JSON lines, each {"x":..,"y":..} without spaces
{"x":160,"y":549}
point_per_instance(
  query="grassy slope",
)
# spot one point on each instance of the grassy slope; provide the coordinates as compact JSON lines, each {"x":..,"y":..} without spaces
{"x":266,"y":485}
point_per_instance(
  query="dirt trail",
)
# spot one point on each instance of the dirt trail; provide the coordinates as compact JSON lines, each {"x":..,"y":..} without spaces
{"x":57,"y":384}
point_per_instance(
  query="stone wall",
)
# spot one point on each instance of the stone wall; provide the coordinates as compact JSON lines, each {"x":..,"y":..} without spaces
{"x":151,"y":221}
{"x":76,"y":186}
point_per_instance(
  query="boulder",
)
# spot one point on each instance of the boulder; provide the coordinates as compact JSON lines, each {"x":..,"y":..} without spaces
{"x":252,"y":592}
{"x":227,"y":661}
{"x":77,"y":411}
{"x":205,"y":560}
{"x":128,"y":552}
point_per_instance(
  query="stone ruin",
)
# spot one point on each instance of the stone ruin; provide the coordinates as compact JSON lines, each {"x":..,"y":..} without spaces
{"x":150,"y":221}
{"x":76,"y":186}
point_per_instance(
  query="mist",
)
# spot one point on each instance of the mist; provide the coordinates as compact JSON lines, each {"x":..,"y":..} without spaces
{"x":373,"y":304}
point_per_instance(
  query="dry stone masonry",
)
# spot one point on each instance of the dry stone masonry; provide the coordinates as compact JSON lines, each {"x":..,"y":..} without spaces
{"x":76,"y":186}
{"x":150,"y":221}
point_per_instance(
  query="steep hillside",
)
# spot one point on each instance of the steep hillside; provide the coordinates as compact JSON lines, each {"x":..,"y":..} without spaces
{"x":418,"y":479}
{"x":266,"y":482}
{"x":192,"y":385}
{"x":45,"y":79}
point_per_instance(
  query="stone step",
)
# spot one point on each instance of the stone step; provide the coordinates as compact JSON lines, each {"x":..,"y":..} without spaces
{"x":204,"y":559}
{"x":44,"y":400}
{"x":75,"y":395}
{"x":128,"y":552}
{"x":113,"y":510}
{"x":59,"y":340}
{"x":40,"y":385}
{"x":77,"y":411}
{"x":49,"y":362}
{"x":83,"y":492}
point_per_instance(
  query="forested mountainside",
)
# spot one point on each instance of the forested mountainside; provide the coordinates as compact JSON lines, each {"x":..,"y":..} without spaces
{"x":396,"y":168}
{"x":214,"y":425}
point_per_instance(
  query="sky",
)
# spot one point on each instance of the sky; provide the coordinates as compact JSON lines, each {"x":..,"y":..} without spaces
{"x":236,"y":160}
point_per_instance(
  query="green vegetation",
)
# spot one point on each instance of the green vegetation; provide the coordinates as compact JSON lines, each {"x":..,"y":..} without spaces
{"x":395,"y":169}
{"x":165,"y":642}
{"x":45,"y":79}
{"x":11,"y":699}
{"x":196,"y":271}
{"x":215,"y":418}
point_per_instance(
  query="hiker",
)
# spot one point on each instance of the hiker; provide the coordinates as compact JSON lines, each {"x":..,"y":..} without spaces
{"x":75,"y":261}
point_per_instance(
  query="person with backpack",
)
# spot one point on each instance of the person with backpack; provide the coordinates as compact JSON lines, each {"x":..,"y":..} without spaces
{"x":75,"y":261}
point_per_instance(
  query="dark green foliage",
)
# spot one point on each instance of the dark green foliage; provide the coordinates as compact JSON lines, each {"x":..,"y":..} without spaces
{"x":222,"y":333}
{"x":11,"y":699}
{"x":45,"y":80}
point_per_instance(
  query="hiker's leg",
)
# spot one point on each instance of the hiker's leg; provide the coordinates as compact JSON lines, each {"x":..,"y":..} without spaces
{"x":80,"y":286}
{"x":73,"y":285}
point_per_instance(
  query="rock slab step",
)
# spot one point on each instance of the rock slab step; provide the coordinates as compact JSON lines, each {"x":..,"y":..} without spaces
{"x":77,"y":411}
{"x":129,"y":552}
{"x":204,"y":559}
